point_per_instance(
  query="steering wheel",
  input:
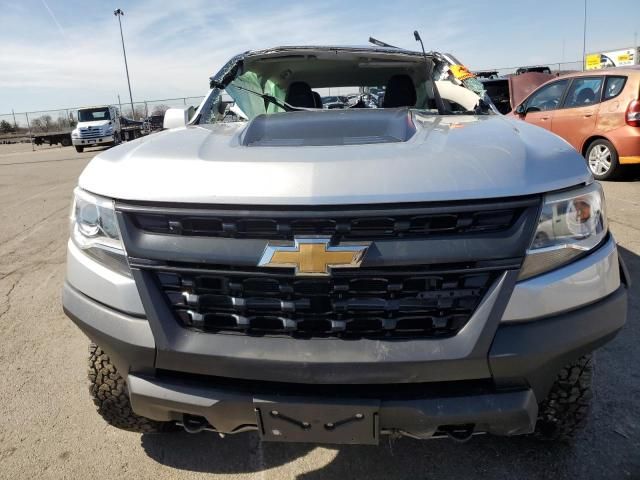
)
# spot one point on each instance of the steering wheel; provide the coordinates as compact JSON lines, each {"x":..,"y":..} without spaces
{"x":548,"y":105}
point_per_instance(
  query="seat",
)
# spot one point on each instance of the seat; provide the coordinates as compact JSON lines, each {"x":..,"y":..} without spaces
{"x":317,"y":99}
{"x":299,"y":94}
{"x":586,"y":96}
{"x":400,"y":92}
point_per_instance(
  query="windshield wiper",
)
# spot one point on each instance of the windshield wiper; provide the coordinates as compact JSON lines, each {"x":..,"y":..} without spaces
{"x":269,"y":98}
{"x":380,"y":43}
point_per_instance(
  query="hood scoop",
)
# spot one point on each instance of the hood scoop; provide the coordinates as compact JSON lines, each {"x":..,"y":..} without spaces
{"x":329,"y":127}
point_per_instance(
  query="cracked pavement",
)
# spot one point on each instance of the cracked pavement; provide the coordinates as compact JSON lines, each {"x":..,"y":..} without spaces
{"x":49,"y":429}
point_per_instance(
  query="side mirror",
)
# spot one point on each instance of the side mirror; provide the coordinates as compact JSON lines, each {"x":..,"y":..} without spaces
{"x":176,"y":118}
{"x":521,"y":110}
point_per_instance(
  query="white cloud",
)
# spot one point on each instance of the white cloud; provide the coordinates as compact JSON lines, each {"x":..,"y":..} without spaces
{"x":173,"y":47}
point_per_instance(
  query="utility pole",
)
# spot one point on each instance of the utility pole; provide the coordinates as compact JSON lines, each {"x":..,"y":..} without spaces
{"x":15,"y":125}
{"x":33,"y":149}
{"x":119,"y":13}
{"x":584,"y":38}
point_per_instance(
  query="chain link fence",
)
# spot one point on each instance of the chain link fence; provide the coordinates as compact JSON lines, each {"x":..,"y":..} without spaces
{"x":17,"y":127}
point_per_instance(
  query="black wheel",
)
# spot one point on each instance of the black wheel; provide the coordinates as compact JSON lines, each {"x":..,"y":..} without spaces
{"x":79,"y":149}
{"x":109,"y":392}
{"x":65,"y":142}
{"x":566,"y":409}
{"x":602,"y":159}
{"x":116,"y":139}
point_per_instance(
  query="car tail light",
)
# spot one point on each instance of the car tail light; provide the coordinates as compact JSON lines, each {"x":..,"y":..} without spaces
{"x":633,"y":113}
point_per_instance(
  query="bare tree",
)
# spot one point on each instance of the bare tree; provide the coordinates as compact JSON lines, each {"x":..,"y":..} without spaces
{"x":159,"y":109}
{"x":63,"y":123}
{"x":43,"y":123}
{"x":138,"y":113}
{"x":37,"y":125}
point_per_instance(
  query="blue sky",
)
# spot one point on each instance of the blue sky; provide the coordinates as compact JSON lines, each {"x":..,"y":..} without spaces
{"x":66,"y":53}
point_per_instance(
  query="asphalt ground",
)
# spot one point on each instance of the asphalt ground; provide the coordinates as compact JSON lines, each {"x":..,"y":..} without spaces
{"x":49,"y":428}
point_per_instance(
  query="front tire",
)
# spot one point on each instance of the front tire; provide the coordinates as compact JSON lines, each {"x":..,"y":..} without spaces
{"x":565,"y":410}
{"x":109,"y":393}
{"x":602,"y":160}
{"x":79,"y":149}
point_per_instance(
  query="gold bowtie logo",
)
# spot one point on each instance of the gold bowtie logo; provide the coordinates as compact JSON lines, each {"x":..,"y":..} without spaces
{"x":313,"y":256}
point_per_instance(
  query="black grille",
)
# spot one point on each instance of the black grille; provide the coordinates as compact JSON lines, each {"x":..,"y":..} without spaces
{"x":366,"y":304}
{"x":399,"y":225}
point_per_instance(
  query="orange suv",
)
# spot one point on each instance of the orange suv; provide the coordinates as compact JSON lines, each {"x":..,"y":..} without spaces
{"x":598,"y":112}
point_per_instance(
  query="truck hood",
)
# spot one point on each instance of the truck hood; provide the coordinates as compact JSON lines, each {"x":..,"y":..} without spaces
{"x":95,"y":123}
{"x":445,"y":158}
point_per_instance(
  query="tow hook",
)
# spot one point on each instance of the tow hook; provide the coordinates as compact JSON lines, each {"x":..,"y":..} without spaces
{"x":194,"y":424}
{"x":458,"y":433}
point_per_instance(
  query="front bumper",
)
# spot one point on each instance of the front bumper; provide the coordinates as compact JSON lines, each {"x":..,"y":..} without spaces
{"x":90,"y":142}
{"x":234,"y":410}
{"x":524,"y":359}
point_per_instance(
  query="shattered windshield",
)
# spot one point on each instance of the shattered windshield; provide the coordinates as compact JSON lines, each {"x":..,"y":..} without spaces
{"x":329,"y":79}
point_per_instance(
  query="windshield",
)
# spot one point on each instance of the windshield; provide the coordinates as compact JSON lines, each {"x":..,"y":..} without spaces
{"x":281,"y":81}
{"x":93,"y":114}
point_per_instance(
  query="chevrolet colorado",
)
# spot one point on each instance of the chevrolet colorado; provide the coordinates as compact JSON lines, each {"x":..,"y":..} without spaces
{"x":429,"y":268}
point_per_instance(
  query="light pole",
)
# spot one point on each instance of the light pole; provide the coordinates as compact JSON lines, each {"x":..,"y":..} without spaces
{"x":584,"y":38}
{"x":118,"y":13}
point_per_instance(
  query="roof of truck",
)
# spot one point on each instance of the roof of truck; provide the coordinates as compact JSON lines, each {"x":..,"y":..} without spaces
{"x":341,"y":48}
{"x":96,"y":106}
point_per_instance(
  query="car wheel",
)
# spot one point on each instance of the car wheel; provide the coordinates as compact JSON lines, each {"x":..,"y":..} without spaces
{"x":65,"y":142}
{"x":602,"y":159}
{"x":79,"y":149}
{"x":565,"y":410}
{"x":109,"y":392}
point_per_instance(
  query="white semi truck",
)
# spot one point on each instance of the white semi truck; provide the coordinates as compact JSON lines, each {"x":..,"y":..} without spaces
{"x":99,"y":125}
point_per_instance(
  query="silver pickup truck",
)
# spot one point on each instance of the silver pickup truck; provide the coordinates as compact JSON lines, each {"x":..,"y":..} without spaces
{"x":427,"y":268}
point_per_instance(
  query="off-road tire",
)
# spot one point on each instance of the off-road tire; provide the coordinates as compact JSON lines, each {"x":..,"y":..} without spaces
{"x":109,"y":393}
{"x":565,"y":410}
{"x":79,"y":149}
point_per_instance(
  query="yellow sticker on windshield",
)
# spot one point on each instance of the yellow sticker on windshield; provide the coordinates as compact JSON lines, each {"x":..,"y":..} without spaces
{"x":461,"y":72}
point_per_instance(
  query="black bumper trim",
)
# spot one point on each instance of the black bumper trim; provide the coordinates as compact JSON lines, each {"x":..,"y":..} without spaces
{"x":534,"y":352}
{"x":127,"y":339}
{"x":499,"y":413}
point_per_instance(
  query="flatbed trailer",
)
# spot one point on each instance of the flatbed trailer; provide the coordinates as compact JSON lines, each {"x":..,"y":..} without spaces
{"x":130,"y":132}
{"x":52,"y":138}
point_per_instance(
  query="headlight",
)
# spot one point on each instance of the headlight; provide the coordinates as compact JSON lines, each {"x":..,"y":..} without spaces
{"x":109,"y":129}
{"x":570,"y":224}
{"x":94,"y":229}
{"x":74,"y":133}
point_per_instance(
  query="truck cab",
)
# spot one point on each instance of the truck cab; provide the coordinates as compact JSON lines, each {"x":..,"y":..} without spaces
{"x":97,"y":126}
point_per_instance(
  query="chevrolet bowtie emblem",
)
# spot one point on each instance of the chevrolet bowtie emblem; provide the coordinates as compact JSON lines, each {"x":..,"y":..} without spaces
{"x":313,"y":256}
